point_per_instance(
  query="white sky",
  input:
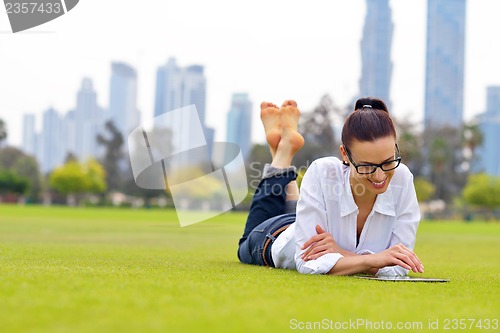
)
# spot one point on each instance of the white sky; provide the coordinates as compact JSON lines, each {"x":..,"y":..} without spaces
{"x":274,"y":50}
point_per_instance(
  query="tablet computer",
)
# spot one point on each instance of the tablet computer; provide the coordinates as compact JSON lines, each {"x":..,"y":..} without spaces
{"x":402,"y":279}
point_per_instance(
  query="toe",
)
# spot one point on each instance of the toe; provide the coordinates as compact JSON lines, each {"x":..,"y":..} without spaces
{"x":265,"y":105}
{"x":289,"y":102}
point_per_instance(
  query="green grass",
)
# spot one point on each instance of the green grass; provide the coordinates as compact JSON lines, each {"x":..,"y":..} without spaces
{"x":116,"y":270}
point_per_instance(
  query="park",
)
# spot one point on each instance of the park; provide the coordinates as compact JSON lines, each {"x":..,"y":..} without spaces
{"x":136,"y":270}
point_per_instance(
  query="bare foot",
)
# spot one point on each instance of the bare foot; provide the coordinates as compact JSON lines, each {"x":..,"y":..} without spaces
{"x":290,"y":137}
{"x":270,"y":115}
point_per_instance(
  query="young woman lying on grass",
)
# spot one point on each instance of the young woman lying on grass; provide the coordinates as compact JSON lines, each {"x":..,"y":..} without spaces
{"x":357,"y":214}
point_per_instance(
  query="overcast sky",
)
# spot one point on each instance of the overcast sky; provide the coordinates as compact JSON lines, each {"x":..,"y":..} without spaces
{"x":273,"y":50}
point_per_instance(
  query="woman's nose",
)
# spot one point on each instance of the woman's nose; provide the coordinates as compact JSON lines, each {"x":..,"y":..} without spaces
{"x":379,"y":175}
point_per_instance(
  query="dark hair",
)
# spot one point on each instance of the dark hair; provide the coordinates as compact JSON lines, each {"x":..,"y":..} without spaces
{"x":369,"y":121}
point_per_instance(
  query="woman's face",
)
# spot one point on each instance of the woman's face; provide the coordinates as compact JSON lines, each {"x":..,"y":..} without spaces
{"x":370,"y":152}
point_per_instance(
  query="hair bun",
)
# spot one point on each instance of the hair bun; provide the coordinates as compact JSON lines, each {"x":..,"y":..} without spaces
{"x":370,"y":103}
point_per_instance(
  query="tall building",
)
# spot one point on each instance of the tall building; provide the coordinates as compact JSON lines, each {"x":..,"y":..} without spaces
{"x":239,"y":123}
{"x":168,"y":83}
{"x":52,"y":150}
{"x":444,"y":80}
{"x":29,"y":134}
{"x":69,"y":132}
{"x":488,"y":154}
{"x":194,"y":89}
{"x":178,"y":87}
{"x":376,"y":45}
{"x":123,"y":98}
{"x":88,"y":121}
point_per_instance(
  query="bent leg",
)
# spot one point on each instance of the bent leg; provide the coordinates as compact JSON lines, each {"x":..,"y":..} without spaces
{"x":269,"y":199}
{"x":278,"y":184}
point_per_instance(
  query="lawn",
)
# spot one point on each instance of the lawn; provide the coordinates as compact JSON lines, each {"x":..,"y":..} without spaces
{"x":117,"y":270}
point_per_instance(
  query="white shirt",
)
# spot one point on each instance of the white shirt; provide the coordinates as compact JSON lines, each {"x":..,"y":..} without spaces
{"x":326,"y":199}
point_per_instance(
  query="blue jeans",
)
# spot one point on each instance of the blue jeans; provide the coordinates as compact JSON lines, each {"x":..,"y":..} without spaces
{"x":266,"y":217}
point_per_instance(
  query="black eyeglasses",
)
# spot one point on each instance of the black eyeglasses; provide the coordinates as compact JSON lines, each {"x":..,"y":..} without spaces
{"x":365,"y":169}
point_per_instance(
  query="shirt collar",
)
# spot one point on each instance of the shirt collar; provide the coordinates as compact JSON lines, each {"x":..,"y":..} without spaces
{"x":384,"y":204}
{"x":347,"y":204}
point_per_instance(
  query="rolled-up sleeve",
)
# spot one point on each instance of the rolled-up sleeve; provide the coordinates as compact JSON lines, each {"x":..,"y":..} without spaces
{"x":311,"y":211}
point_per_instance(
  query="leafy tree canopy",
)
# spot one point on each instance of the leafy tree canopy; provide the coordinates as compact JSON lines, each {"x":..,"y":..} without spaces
{"x":482,"y":190}
{"x":77,"y":178}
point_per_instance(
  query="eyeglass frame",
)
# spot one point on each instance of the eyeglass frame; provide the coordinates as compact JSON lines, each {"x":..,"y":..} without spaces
{"x":397,"y":159}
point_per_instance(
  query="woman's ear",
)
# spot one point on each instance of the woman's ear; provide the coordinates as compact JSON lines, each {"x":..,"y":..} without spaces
{"x":343,"y":155}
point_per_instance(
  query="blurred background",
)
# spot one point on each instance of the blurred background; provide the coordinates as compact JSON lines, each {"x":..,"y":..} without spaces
{"x":73,"y":89}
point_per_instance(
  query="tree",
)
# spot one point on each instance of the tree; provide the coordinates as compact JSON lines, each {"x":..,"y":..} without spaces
{"x":424,"y":188}
{"x":3,"y":132}
{"x":159,"y":144}
{"x":444,"y":150}
{"x":70,"y":157}
{"x":10,"y":183}
{"x":74,"y":179}
{"x":95,"y":177}
{"x":9,"y":157}
{"x":23,"y":165}
{"x":472,"y":137}
{"x":317,"y":127}
{"x":205,"y":187}
{"x":259,"y":156}
{"x":482,"y":191}
{"x":411,"y":145}
{"x":27,"y":167}
{"x":112,"y":157}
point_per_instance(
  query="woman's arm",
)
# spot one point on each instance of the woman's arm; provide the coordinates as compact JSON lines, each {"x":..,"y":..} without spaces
{"x":323,"y":243}
{"x":353,"y":263}
{"x":398,"y":255}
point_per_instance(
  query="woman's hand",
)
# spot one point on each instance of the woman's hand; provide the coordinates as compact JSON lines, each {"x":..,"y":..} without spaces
{"x":319,"y":245}
{"x":397,"y":255}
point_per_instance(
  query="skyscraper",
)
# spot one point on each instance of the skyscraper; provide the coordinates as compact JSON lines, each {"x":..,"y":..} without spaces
{"x":444,"y":81}
{"x":123,"y":98}
{"x":52,"y":152}
{"x":488,"y":155}
{"x":89,"y":121}
{"x":177,"y":87}
{"x":29,"y":134}
{"x":168,"y":88}
{"x":194,"y":89}
{"x":239,"y":123}
{"x":376,"y":64}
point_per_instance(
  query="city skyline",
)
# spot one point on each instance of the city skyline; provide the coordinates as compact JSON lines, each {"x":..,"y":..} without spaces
{"x":322,"y":57}
{"x":74,"y":132}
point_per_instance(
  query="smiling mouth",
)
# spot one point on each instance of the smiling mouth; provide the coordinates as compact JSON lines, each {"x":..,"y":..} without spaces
{"x":380,"y":184}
